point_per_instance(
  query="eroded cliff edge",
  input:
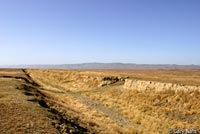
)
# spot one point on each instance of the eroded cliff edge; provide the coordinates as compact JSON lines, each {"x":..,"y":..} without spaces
{"x":143,"y":85}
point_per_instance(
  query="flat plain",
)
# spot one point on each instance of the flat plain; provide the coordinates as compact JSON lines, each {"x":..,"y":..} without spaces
{"x":98,"y":101}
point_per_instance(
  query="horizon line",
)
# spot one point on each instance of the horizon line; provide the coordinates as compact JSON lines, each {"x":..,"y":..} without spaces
{"x":102,"y":63}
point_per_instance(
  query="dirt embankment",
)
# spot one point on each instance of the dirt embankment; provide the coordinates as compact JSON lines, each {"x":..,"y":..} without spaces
{"x":76,"y":80}
{"x":142,"y":85}
{"x":17,"y":114}
{"x":24,"y":108}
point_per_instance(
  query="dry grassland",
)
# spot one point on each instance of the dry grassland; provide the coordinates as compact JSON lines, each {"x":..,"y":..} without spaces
{"x":17,"y":115}
{"x":98,"y":99}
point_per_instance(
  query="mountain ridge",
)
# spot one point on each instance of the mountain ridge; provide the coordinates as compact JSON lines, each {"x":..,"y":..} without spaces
{"x":96,"y":65}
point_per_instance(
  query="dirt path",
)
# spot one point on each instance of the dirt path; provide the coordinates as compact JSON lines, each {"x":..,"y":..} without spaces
{"x":111,"y":113}
{"x":98,"y":106}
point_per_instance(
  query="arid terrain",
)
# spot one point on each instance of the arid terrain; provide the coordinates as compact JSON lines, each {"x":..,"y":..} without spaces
{"x":98,"y":101}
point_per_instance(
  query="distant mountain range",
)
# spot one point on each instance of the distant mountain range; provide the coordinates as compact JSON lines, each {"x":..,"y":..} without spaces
{"x":125,"y":66}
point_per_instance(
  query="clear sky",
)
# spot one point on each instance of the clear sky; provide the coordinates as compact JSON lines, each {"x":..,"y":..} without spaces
{"x":79,"y":31}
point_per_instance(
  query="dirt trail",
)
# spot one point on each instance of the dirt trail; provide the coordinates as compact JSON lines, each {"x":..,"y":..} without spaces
{"x":111,"y":113}
{"x":98,"y":106}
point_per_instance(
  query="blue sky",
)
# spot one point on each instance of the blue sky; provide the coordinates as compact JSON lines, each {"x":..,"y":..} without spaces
{"x":79,"y":31}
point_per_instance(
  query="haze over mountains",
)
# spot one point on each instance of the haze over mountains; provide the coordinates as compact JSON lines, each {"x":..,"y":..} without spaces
{"x":125,"y":66}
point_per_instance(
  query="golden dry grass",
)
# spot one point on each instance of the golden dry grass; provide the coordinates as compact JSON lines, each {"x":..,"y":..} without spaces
{"x":149,"y":112}
{"x":73,"y":106}
{"x":153,"y":111}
